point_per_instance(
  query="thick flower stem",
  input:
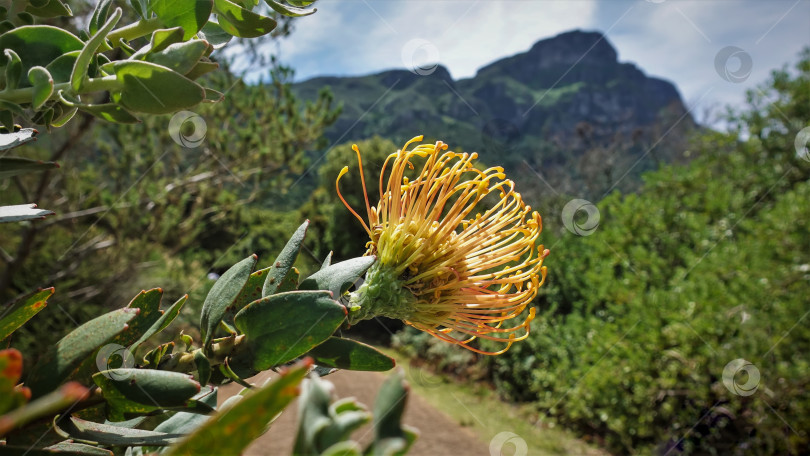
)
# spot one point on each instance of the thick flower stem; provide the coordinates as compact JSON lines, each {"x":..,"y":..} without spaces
{"x":381,"y":295}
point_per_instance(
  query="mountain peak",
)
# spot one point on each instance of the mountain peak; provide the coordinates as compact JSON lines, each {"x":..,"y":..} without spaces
{"x":556,"y":56}
{"x":577,"y":45}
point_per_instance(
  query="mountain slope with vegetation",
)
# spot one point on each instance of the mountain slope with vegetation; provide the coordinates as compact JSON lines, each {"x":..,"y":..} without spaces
{"x":566,"y":108}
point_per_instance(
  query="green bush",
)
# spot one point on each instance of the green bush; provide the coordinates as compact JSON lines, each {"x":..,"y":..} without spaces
{"x":708,"y":264}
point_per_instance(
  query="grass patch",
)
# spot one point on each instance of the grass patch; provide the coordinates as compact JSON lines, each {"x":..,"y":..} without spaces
{"x":479,"y":408}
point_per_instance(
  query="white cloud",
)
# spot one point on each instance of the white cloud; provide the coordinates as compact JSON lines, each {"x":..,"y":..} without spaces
{"x":359,"y":37}
{"x":679,"y":40}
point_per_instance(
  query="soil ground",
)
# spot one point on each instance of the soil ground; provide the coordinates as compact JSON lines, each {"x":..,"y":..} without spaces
{"x":439,"y":435}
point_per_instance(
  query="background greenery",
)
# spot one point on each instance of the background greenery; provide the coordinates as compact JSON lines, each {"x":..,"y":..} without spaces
{"x":707,"y":263}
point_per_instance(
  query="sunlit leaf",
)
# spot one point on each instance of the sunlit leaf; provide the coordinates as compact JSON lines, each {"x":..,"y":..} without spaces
{"x":21,"y":212}
{"x":189,"y":14}
{"x":222,"y":295}
{"x":235,"y":426}
{"x":241,"y":22}
{"x":284,"y":326}
{"x":155,"y":89}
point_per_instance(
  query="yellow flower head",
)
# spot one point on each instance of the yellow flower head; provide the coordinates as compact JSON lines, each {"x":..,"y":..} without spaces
{"x":444,"y":265}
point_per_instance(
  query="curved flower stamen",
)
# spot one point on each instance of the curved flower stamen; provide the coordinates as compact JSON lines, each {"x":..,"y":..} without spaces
{"x":444,"y":265}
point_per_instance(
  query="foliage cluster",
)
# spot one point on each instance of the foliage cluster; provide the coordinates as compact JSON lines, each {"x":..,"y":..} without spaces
{"x":157,"y":201}
{"x":87,"y":393}
{"x":109,"y":384}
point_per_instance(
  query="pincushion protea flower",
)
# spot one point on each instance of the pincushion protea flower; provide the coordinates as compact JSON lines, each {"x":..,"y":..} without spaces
{"x":442,"y":266}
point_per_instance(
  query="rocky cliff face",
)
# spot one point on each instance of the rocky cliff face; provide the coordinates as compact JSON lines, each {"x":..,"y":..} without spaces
{"x":566,"y":107}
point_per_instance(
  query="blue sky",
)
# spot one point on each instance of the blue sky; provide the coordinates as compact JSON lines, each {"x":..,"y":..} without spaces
{"x":671,"y":39}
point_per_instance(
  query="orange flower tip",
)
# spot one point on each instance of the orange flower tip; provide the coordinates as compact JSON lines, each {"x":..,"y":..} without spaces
{"x":343,"y":171}
{"x":546,"y":252}
{"x":24,"y":390}
{"x":306,"y":362}
{"x":355,"y":148}
{"x":6,"y":424}
{"x":74,"y":391}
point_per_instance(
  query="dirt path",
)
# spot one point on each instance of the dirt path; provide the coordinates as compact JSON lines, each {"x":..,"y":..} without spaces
{"x":439,"y":435}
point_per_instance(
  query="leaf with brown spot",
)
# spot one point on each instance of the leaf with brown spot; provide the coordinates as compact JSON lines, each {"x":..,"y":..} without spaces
{"x":15,"y":314}
{"x":59,"y":360}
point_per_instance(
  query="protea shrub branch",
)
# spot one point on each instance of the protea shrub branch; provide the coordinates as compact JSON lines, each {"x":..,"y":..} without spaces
{"x":448,"y":264}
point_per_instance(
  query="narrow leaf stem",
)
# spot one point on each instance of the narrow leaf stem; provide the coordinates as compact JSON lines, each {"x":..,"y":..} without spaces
{"x":135,"y":30}
{"x":25,"y":95}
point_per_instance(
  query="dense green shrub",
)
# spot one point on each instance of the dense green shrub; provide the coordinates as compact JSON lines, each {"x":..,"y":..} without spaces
{"x":709,"y":263}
